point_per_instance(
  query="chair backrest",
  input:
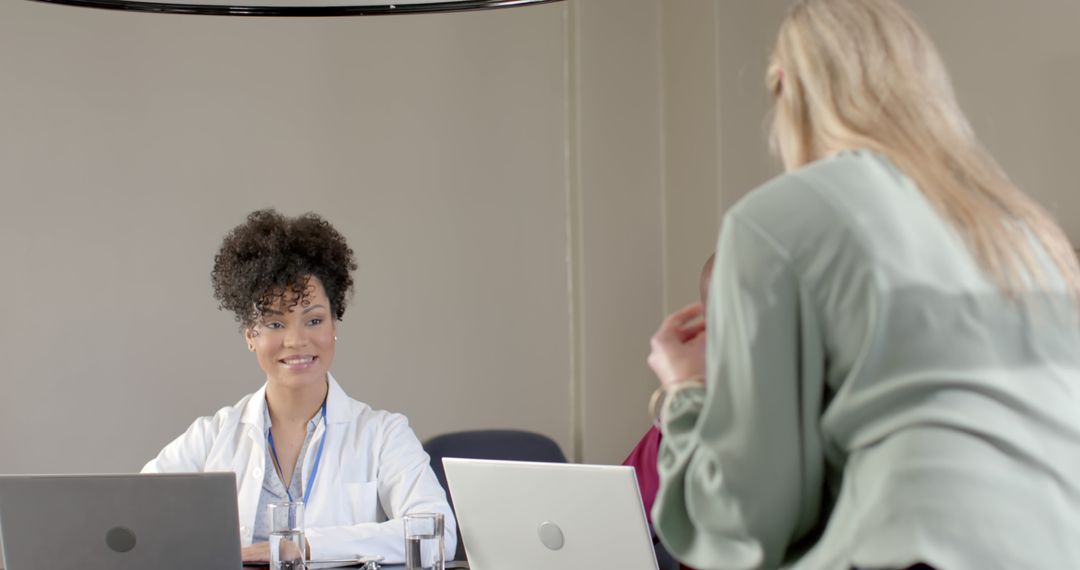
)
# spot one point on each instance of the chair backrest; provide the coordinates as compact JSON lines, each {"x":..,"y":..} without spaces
{"x":506,"y":444}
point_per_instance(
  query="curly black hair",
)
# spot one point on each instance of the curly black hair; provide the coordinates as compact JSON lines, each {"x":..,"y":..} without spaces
{"x":270,"y":257}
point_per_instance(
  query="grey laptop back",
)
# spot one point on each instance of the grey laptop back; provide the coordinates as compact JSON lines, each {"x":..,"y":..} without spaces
{"x":118,"y":522}
{"x":516,"y":515}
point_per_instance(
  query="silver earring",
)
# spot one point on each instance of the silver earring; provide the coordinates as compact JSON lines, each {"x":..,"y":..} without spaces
{"x":335,"y":338}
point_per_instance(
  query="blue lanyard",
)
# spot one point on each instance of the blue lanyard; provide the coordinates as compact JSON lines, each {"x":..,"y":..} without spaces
{"x":318,"y":459}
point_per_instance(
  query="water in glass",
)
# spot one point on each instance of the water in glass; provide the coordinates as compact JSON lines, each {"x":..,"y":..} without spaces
{"x":287,"y":550}
{"x":423,"y":552}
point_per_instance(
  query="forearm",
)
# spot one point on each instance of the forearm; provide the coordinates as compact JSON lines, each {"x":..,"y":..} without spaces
{"x":386,"y":539}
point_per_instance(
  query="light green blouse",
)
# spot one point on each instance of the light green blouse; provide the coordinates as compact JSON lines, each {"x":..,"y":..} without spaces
{"x":871,"y":400}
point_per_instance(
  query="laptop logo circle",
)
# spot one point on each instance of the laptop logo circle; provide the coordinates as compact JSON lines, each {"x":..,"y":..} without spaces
{"x":551,"y":535}
{"x":120,"y":539}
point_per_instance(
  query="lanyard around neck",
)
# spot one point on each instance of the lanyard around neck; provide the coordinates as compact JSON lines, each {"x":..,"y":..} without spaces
{"x":314,"y":470}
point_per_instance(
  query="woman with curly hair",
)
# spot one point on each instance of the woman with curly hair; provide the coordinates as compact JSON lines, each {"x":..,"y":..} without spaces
{"x":300,"y":437}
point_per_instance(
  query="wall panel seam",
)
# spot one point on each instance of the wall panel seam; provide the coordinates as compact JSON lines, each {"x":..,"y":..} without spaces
{"x":574,"y":230}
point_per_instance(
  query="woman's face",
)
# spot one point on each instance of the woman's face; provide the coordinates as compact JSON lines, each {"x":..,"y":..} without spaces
{"x":295,"y":344}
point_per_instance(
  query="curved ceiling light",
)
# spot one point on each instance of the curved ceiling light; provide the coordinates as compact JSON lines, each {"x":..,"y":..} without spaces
{"x":298,"y":8}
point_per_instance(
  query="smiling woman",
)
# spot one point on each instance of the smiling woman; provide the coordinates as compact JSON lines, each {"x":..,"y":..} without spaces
{"x":300,"y":437}
{"x":287,"y":282}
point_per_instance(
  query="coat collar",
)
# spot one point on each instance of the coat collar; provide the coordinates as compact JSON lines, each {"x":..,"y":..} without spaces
{"x":337,"y":404}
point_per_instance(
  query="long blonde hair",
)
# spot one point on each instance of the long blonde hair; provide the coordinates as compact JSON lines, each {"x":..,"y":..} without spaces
{"x":851,"y":74}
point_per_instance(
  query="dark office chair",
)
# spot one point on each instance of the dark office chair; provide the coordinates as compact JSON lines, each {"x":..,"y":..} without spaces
{"x":512,"y":445}
{"x":664,"y":559}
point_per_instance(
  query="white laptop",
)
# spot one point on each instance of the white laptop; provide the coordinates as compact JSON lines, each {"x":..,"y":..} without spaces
{"x":538,"y":516}
{"x":120,"y":522}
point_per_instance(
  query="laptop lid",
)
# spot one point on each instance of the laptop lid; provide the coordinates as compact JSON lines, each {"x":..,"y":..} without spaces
{"x":526,"y":516}
{"x":118,"y":522}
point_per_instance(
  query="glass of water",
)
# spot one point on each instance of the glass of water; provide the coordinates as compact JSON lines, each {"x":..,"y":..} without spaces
{"x":288,"y":549}
{"x":424,"y":541}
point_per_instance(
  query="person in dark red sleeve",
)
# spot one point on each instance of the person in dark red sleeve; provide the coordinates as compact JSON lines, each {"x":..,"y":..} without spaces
{"x":643,"y":457}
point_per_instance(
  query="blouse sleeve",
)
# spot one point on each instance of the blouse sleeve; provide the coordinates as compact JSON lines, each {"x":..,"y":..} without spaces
{"x":740,"y":462}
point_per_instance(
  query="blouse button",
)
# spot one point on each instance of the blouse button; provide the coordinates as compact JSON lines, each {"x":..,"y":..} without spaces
{"x":256,"y":472}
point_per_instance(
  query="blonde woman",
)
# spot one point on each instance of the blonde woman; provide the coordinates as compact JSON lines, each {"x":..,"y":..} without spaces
{"x":891,"y":368}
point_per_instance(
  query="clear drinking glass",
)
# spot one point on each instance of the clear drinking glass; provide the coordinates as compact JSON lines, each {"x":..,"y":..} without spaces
{"x":424,"y":541}
{"x":287,"y":545}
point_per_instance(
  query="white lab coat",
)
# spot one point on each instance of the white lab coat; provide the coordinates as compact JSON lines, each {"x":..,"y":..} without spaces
{"x":373,"y":472}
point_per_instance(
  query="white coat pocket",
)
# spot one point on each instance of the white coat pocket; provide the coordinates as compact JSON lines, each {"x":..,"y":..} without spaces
{"x":363,"y":501}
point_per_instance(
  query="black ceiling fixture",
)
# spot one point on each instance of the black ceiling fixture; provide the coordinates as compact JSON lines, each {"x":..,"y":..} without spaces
{"x":298,"y":8}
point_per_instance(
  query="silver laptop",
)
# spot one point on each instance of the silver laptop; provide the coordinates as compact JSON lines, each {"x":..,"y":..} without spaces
{"x":527,"y":516}
{"x":119,"y":522}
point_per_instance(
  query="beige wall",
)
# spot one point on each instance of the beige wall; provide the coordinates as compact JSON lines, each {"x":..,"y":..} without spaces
{"x":617,"y":121}
{"x":714,"y":54}
{"x":692,"y":153}
{"x":132,"y":142}
{"x":504,"y":211}
{"x":527,"y":190}
{"x":1015,"y":66}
